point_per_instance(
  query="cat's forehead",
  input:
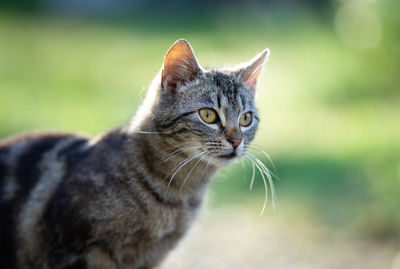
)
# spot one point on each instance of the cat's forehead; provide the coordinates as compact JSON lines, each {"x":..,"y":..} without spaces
{"x":217,"y":89}
{"x":227,"y":88}
{"x":227,"y":83}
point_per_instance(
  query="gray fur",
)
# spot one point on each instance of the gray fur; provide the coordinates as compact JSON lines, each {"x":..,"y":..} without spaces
{"x":125,"y":198}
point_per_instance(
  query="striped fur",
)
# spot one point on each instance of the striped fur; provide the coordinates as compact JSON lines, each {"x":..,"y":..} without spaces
{"x":125,"y":198}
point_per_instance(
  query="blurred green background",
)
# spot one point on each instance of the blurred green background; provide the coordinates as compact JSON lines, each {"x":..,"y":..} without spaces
{"x":329,"y":97}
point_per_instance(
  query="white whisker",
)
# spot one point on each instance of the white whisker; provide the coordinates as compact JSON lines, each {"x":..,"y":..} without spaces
{"x":182,"y":165}
{"x":253,"y":175}
{"x":191,"y":170}
{"x":205,"y":168}
{"x":256,"y":147}
{"x":264,"y":171}
{"x":176,"y":152}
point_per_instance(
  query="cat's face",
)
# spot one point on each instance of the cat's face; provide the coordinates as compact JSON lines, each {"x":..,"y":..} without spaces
{"x":209,"y":114}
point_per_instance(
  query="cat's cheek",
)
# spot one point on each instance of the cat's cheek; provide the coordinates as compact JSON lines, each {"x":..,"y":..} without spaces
{"x":249,"y":133}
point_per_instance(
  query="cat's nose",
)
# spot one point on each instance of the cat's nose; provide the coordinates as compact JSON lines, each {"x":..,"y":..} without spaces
{"x":234,"y":136}
{"x":235,"y":141}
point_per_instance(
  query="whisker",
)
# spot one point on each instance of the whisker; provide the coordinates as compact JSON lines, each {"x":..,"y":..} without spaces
{"x":176,"y":152}
{"x":268,"y":174}
{"x":266,"y":191}
{"x":265,"y":187}
{"x":176,"y":166}
{"x":264,"y":170}
{"x":191,"y":170}
{"x":205,"y":168}
{"x":253,"y":175}
{"x":212,"y":144}
{"x":254,"y":171}
{"x":269,"y":171}
{"x":182,"y":165}
{"x":256,"y":147}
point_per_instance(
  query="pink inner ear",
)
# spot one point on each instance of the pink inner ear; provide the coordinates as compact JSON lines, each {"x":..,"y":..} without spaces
{"x":251,"y":78}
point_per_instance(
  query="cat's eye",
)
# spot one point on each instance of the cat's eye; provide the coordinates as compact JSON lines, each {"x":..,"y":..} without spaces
{"x":246,"y":119}
{"x":208,"y":115}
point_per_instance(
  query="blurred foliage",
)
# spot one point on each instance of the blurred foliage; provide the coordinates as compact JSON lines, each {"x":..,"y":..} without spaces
{"x":329,"y":109}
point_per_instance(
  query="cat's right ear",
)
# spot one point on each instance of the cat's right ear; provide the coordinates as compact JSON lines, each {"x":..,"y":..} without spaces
{"x":180,"y":66}
{"x":250,"y":72}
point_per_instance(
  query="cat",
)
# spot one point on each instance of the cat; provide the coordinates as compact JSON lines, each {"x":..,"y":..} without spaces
{"x":123,"y":199}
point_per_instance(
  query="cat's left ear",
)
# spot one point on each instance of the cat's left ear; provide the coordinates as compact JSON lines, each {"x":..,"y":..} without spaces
{"x":251,"y":71}
{"x":180,"y":66}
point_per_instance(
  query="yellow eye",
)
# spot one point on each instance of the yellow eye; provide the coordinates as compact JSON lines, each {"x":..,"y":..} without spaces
{"x":246,"y":119}
{"x":208,"y":115}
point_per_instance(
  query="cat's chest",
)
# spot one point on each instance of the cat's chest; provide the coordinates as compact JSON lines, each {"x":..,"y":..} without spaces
{"x":170,"y":221}
{"x":153,"y":237}
{"x":131,"y":227}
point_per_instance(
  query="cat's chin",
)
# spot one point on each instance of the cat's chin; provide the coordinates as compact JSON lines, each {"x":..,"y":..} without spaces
{"x":230,"y":156}
{"x":224,"y":160}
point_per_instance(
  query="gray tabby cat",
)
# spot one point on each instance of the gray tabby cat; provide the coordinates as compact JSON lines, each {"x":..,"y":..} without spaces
{"x":124,"y":199}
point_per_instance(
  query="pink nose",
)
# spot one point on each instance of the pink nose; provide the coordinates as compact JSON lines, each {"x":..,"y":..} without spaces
{"x":235,"y":141}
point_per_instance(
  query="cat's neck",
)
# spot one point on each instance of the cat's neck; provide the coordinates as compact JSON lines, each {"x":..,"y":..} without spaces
{"x":172,"y":172}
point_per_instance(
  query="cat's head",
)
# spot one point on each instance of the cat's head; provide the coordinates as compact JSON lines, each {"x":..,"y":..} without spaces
{"x":207,"y":112}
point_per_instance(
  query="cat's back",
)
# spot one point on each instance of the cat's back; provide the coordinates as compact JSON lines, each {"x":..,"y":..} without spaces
{"x":31,"y":165}
{"x":24,"y":157}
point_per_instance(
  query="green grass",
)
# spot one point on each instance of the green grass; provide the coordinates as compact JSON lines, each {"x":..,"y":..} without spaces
{"x":330,"y":113}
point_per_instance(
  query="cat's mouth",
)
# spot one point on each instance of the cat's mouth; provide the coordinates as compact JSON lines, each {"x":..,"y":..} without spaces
{"x":228,"y":156}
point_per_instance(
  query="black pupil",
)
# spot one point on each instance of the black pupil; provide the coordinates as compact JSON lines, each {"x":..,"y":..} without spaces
{"x":207,"y":113}
{"x":245,"y":117}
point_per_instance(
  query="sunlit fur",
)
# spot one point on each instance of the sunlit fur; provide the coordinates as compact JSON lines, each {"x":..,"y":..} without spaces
{"x":123,"y":199}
